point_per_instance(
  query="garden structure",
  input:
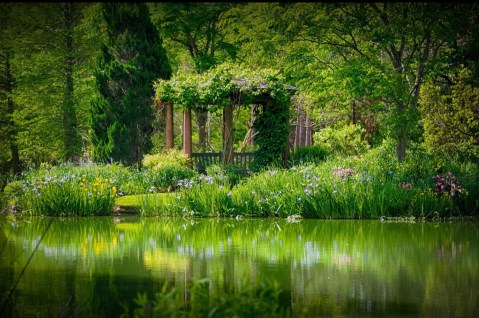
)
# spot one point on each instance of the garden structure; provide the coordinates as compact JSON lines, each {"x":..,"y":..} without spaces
{"x":217,"y":91}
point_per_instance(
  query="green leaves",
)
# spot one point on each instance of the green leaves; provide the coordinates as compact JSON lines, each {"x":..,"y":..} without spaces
{"x":131,"y":60}
{"x":450,"y":115}
{"x":216,"y":87}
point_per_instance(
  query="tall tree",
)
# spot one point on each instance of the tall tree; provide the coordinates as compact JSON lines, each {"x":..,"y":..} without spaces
{"x":8,"y":130}
{"x":388,"y":47}
{"x":132,"y":58}
{"x":51,"y":48}
{"x":71,"y":137}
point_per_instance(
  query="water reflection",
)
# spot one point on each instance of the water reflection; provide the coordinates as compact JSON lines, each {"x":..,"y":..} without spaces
{"x":90,"y":266}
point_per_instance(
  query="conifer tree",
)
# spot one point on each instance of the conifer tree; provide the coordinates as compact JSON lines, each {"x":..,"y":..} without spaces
{"x":131,"y":59}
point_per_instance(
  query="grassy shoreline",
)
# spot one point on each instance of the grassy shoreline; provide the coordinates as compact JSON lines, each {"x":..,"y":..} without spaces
{"x":372,"y":186}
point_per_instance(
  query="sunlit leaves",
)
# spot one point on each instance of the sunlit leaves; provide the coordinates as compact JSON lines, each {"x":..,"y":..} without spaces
{"x":215,"y":88}
{"x":450,"y":115}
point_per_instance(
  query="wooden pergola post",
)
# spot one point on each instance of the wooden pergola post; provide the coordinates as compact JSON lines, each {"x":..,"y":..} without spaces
{"x":228,"y":134}
{"x":169,"y":126}
{"x":187,"y":145}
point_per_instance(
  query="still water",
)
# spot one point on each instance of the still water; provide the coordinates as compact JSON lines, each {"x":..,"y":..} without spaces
{"x":92,"y":267}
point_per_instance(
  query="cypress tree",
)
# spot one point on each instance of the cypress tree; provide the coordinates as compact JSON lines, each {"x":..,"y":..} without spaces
{"x":131,"y":59}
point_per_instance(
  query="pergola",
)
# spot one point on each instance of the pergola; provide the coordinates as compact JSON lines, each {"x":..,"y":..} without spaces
{"x":263,"y":99}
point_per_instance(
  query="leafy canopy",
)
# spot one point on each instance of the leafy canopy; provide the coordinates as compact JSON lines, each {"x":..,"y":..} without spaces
{"x":216,"y":87}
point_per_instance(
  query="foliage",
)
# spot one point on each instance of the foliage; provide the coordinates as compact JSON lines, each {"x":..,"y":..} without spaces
{"x":447,"y":184}
{"x":52,"y":47}
{"x":262,"y":301}
{"x":171,"y":157}
{"x":130,"y":61}
{"x":67,"y":197}
{"x":166,"y":178}
{"x":125,"y":180}
{"x":198,"y":32}
{"x":375,"y":185}
{"x":310,"y":154}
{"x":450,"y":115}
{"x":376,"y":51}
{"x":272,"y":125}
{"x":215,"y":89}
{"x":224,"y":174}
{"x":163,"y":171}
{"x":343,"y":141}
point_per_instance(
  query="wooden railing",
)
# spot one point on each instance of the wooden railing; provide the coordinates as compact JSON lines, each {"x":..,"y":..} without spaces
{"x":242,"y":161}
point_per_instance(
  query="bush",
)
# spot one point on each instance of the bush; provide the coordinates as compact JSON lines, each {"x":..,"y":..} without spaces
{"x":12,"y":193}
{"x":223,"y":174}
{"x":310,"y":154}
{"x":344,"y":141}
{"x":171,"y":157}
{"x":166,"y":177}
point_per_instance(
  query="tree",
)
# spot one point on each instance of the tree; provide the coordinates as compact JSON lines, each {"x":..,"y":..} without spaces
{"x":130,"y":61}
{"x":50,"y":49}
{"x":395,"y":45}
{"x":8,"y":131}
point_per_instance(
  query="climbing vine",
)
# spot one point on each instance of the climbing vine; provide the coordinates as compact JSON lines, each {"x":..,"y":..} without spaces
{"x":273,"y":129}
{"x":227,"y":84}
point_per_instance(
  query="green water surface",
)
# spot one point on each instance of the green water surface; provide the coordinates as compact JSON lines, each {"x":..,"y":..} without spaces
{"x":92,"y":267}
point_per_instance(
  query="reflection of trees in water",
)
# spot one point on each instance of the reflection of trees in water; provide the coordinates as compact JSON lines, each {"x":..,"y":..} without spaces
{"x":329,"y":265}
{"x":7,"y":273}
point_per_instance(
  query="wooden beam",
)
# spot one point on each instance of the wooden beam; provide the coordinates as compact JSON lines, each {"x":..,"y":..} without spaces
{"x":169,"y":126}
{"x":228,"y":134}
{"x":187,"y":145}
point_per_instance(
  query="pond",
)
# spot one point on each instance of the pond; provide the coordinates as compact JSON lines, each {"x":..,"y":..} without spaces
{"x":91,"y":267}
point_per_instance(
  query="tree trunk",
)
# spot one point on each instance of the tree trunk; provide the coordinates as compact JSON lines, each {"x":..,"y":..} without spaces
{"x":201,"y":119}
{"x":251,"y":124}
{"x":71,"y":138}
{"x":187,"y":149}
{"x":11,"y":130}
{"x":401,"y":135}
{"x":169,"y":126}
{"x":228,"y":134}
{"x":353,"y":106}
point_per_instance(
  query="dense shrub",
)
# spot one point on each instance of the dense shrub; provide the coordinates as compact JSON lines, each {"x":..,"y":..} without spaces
{"x":166,"y":178}
{"x":310,"y":154}
{"x":343,"y":141}
{"x":224,"y":174}
{"x":171,"y":157}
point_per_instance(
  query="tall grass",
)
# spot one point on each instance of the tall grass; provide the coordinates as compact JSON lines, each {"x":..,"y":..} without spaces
{"x":69,"y":197}
{"x":372,"y":186}
{"x":63,"y":189}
